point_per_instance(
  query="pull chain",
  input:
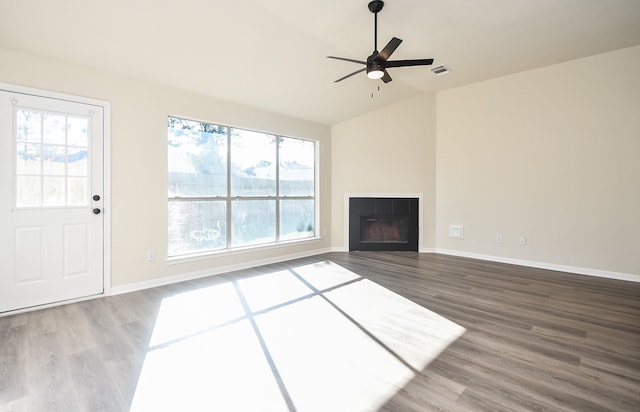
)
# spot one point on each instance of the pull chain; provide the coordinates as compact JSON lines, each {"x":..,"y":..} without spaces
{"x":373,"y":92}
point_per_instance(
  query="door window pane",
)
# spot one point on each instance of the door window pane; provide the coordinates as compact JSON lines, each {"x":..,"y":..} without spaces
{"x":296,"y":218}
{"x":253,"y":163}
{"x":77,"y":161}
{"x":53,"y":191}
{"x":28,"y":159}
{"x":28,"y":126}
{"x":77,"y":131}
{"x":53,"y":160}
{"x":78,"y":191}
{"x":253,"y":222}
{"x":29,"y":191}
{"x":54,"y":129}
{"x":196,"y":226}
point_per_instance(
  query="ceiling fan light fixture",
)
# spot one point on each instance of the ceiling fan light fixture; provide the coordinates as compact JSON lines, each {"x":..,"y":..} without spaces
{"x":375,"y":74}
{"x":374,"y":69}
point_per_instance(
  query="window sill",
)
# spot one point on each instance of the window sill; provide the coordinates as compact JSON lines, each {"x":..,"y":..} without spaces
{"x":193,"y":257}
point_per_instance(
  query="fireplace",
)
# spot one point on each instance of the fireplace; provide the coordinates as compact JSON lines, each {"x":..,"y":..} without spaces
{"x":383,"y":223}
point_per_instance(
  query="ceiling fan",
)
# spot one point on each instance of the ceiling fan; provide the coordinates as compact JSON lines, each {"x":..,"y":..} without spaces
{"x":378,"y":63}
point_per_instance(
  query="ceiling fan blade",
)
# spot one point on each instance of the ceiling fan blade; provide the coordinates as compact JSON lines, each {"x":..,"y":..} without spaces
{"x":350,"y":74}
{"x":386,"y":78}
{"x":404,"y":63}
{"x":346,"y":60}
{"x":388,"y":50}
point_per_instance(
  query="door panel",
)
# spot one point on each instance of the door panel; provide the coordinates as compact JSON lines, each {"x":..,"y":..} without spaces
{"x":51,"y":166}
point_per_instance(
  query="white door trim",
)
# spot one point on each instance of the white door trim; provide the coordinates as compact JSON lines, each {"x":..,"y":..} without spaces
{"x":106,"y":107}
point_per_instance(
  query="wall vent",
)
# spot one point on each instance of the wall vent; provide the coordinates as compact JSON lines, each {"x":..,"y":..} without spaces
{"x":440,"y":70}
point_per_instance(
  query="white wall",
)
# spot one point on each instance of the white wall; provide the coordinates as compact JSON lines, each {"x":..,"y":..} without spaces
{"x":390,"y":150}
{"x":552,"y":154}
{"x":139,"y":159}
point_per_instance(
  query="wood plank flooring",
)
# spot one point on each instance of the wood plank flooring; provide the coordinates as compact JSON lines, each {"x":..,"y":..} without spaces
{"x":535,"y":340}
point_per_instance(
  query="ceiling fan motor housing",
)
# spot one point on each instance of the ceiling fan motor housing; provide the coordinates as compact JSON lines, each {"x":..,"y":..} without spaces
{"x":373,"y":65}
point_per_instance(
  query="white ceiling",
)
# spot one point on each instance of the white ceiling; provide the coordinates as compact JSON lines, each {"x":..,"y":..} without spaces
{"x":272,"y":54}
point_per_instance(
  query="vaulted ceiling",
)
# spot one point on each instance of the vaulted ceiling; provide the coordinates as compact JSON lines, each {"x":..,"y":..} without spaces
{"x":272,"y":54}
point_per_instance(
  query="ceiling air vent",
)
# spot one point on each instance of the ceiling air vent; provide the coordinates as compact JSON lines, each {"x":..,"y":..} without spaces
{"x":440,"y":70}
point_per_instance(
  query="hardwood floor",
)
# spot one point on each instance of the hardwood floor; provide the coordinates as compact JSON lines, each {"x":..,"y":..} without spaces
{"x":535,"y":340}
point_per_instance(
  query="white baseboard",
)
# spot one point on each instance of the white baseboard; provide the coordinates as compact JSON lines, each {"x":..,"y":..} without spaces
{"x":543,"y":265}
{"x":132,"y":287}
{"x":346,"y":249}
{"x":116,"y":290}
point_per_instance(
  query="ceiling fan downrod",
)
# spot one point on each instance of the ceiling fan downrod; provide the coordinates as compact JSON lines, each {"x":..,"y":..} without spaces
{"x":374,"y":7}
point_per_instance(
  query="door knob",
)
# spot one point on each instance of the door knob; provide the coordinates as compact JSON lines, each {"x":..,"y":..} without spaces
{"x":96,"y":211}
{"x":96,"y":197}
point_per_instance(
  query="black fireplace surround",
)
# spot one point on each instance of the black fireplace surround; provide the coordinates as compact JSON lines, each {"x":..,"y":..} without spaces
{"x":383,"y":223}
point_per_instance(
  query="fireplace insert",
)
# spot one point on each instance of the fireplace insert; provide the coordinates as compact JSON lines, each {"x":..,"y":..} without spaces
{"x":383,"y":223}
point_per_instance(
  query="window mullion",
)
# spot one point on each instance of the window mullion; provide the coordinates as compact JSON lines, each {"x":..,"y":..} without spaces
{"x":278,"y":188}
{"x":228,"y":187}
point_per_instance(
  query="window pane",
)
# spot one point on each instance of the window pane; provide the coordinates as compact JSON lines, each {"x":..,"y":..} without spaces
{"x":28,"y":191}
{"x":196,"y":226}
{"x":77,"y":194}
{"x":297,"y":159}
{"x":297,"y":218}
{"x":54,"y":129}
{"x":28,"y":126}
{"x":197,"y":159}
{"x":28,"y":158}
{"x":253,"y":222}
{"x":77,"y":159}
{"x":53,"y":191}
{"x":53,"y":160}
{"x":77,"y":131}
{"x":253,"y":163}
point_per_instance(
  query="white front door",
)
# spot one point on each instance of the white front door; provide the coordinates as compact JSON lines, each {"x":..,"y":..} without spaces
{"x":51,"y":200}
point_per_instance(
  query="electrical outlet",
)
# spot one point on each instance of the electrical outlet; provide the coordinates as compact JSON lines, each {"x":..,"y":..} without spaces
{"x":456,"y":231}
{"x":523,"y":241}
{"x":499,"y":239}
{"x":151,"y":255}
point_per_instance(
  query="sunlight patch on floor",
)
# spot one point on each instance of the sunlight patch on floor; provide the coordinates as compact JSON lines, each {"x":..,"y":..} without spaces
{"x":317,"y":337}
{"x":325,"y":275}
{"x":327,"y":363}
{"x":220,"y":370}
{"x":414,"y":333}
{"x":195,"y":311}
{"x":272,"y":289}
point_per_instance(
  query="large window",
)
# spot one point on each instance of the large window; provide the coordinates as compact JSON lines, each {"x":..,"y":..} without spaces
{"x":230,"y":187}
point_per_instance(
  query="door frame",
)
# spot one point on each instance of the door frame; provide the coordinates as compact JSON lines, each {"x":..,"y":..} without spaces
{"x":106,"y":175}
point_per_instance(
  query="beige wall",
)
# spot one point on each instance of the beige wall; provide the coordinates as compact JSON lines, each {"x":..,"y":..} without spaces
{"x":391,"y":150}
{"x":552,"y":154}
{"x":139,"y":159}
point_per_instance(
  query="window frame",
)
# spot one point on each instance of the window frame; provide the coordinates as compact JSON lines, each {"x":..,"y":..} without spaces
{"x":229,"y":199}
